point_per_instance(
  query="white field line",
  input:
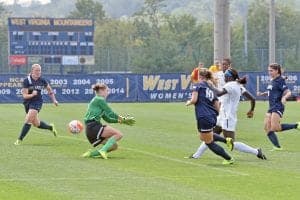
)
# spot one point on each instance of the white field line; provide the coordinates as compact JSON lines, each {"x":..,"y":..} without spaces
{"x":173,"y":159}
{"x":233,"y":172}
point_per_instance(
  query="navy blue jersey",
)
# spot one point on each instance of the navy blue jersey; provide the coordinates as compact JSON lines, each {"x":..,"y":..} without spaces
{"x":205,"y":103}
{"x":276,"y":90}
{"x":37,"y":85}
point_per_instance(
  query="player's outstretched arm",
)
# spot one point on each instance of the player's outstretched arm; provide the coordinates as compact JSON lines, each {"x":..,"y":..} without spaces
{"x":128,"y":120}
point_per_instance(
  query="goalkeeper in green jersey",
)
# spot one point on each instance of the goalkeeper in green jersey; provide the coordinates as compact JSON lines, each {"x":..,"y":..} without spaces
{"x":96,"y":132}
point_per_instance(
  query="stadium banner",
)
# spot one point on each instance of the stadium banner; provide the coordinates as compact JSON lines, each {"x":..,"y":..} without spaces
{"x":126,"y":87}
{"x":73,"y":88}
{"x":258,"y":81}
{"x":164,"y":87}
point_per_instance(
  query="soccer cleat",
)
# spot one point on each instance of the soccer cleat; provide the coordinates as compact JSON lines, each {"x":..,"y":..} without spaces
{"x":190,"y":157}
{"x":298,"y":126}
{"x":103,"y":154}
{"x":86,"y":154}
{"x":229,"y":143}
{"x":260,"y":154}
{"x":276,"y":149}
{"x":54,"y":131}
{"x":18,"y":142}
{"x":228,"y":162}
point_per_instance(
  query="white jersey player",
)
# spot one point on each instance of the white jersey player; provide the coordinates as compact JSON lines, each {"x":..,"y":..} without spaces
{"x":231,"y":93}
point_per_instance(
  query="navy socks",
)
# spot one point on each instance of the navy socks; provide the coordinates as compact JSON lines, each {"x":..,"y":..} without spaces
{"x":43,"y":125}
{"x":24,"y":131}
{"x":273,"y":138}
{"x":218,"y":150}
{"x":219,"y":138}
{"x":285,"y":127}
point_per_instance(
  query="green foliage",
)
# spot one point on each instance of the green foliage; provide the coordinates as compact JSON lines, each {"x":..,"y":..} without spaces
{"x":149,"y":163}
{"x":2,"y":9}
{"x":258,"y":23}
{"x":88,"y":9}
{"x":181,"y":45}
{"x":287,"y":32}
{"x":172,"y":35}
{"x":114,"y":40}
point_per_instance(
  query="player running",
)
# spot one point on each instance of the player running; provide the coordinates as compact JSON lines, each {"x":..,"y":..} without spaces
{"x":207,"y":108}
{"x":278,"y":93}
{"x":33,"y":85}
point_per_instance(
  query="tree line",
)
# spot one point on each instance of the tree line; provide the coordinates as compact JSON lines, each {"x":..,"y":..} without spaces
{"x":154,"y":41}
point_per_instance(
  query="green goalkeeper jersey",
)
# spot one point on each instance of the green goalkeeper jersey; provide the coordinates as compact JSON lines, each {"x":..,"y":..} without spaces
{"x":97,"y":109}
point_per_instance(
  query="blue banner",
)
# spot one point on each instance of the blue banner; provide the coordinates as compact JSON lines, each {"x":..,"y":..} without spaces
{"x":130,"y":87}
{"x":73,"y":88}
{"x":258,"y":81}
{"x":164,"y":87}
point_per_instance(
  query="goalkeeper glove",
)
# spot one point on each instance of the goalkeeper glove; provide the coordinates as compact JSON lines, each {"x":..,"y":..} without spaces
{"x":127,"y":120}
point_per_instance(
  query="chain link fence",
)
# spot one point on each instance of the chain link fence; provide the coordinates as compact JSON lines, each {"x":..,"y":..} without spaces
{"x":120,"y":60}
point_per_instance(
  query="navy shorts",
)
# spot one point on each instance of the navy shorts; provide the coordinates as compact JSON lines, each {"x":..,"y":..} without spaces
{"x":93,"y":131}
{"x":278,"y":109}
{"x":35,"y":105}
{"x":206,"y":124}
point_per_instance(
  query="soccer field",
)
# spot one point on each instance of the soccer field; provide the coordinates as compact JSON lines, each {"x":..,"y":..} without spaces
{"x":150,"y":162}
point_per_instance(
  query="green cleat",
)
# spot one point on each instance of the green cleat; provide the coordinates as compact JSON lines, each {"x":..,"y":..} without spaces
{"x":277,"y":149}
{"x":18,"y":142}
{"x":86,"y":154}
{"x":228,"y":162}
{"x":298,"y":126}
{"x":229,"y":143}
{"x":54,"y":131}
{"x":103,"y":154}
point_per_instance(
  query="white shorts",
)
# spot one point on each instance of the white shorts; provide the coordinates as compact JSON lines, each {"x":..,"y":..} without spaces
{"x":227,"y":123}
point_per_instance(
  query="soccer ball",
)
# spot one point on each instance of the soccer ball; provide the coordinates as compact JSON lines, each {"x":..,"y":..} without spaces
{"x":75,"y":126}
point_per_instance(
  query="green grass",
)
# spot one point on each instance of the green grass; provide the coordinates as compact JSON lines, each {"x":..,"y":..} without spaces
{"x":149,"y":164}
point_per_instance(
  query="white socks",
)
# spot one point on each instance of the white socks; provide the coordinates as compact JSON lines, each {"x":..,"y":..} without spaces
{"x":239,"y":146}
{"x":202,"y":148}
{"x":245,"y":148}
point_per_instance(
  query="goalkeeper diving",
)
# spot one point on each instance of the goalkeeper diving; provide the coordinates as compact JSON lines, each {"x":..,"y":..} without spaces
{"x":98,"y":133}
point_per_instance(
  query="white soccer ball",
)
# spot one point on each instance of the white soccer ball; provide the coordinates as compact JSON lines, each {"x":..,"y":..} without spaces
{"x":75,"y":126}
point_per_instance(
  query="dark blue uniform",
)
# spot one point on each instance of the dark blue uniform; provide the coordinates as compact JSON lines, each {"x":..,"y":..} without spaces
{"x":35,"y":102}
{"x":206,"y":114}
{"x":276,"y":90}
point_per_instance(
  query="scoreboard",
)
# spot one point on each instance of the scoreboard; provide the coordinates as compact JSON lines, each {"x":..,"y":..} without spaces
{"x":51,"y":41}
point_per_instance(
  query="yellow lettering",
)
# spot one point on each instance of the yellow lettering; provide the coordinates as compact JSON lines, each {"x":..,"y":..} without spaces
{"x":149,"y":82}
{"x":174,"y":83}
{"x":185,"y":81}
{"x":18,"y":21}
{"x":39,"y":22}
{"x":170,"y":84}
{"x":160,"y":85}
{"x":73,"y":22}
